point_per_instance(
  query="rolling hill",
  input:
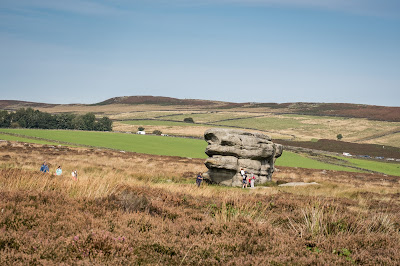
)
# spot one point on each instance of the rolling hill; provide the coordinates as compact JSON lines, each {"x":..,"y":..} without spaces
{"x":372,"y":112}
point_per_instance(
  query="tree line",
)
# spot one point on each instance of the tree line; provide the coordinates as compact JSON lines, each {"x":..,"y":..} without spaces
{"x":29,"y":118}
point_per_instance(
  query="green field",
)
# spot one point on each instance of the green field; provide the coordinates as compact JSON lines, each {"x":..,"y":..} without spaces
{"x":22,"y":139}
{"x":158,"y":123}
{"x":128,"y":142}
{"x":142,"y":115}
{"x":383,"y":167}
{"x":291,"y":159}
{"x":270,"y":123}
{"x":206,"y":117}
{"x":171,"y":146}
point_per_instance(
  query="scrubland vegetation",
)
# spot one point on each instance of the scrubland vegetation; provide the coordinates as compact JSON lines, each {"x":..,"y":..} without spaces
{"x":129,"y":208}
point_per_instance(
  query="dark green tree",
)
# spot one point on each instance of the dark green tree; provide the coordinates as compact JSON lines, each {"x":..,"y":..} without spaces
{"x":188,"y":120}
{"x":64,"y":121}
{"x":157,"y":132}
{"x":5,"y":119}
{"x":104,"y":124}
{"x":78,"y":123}
{"x":29,"y":118}
{"x":19,"y":118}
{"x":89,"y":119}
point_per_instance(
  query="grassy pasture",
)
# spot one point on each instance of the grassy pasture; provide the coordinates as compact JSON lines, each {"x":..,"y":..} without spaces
{"x":266,"y":123}
{"x":177,"y":128}
{"x":291,"y":159}
{"x":210,"y":117}
{"x":183,"y":147}
{"x":142,"y":114}
{"x":393,"y":140}
{"x":309,"y":127}
{"x":28,"y":140}
{"x":159,"y":123}
{"x":184,"y":130}
{"x":129,"y":142}
{"x":383,"y":167}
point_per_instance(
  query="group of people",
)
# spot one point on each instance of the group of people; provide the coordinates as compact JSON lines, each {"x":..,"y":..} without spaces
{"x":45,"y":169}
{"x":247,"y":178}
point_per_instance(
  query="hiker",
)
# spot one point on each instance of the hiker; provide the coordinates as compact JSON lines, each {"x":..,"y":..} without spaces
{"x":59,"y":170}
{"x":44,"y":168}
{"x":242,"y":172}
{"x":251,"y":180}
{"x":244,"y":178}
{"x":74,"y":175}
{"x":199,"y":179}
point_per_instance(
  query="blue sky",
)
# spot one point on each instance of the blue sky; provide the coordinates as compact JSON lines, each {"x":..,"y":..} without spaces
{"x":230,"y":50}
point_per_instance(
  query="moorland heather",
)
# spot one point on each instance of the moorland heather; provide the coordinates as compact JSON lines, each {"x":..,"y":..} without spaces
{"x":129,"y":208}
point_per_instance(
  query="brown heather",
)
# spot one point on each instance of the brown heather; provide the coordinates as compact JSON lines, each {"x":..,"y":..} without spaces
{"x":130,"y":209}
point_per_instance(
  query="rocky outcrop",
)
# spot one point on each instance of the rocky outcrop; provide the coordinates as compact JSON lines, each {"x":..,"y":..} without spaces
{"x":230,"y":150}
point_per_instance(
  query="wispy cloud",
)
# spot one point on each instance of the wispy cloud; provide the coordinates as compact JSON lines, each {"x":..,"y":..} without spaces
{"x":365,"y":7}
{"x":382,"y":8}
{"x":83,"y":7}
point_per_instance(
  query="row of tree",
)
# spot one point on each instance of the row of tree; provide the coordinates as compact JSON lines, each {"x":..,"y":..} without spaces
{"x":29,"y":118}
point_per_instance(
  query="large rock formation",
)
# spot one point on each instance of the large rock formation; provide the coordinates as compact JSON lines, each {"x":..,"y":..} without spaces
{"x":230,"y":150}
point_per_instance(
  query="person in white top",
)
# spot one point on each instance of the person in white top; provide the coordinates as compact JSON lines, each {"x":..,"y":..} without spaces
{"x":244,"y":178}
{"x":242,"y":171}
{"x":74,"y":175}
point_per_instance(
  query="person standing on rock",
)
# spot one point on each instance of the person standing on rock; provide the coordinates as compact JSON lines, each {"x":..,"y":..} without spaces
{"x":199,"y":179}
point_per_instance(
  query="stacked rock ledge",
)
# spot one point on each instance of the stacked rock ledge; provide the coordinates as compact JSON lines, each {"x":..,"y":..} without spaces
{"x":229,"y":150}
